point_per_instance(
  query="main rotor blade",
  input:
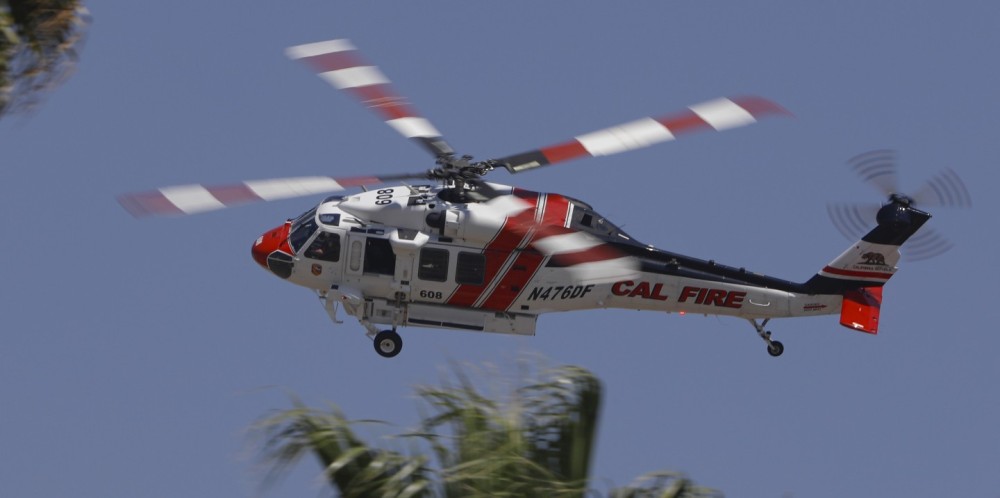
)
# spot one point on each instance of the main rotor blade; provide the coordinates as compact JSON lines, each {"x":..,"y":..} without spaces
{"x":192,"y":199}
{"x":720,"y":114}
{"x":339,"y":63}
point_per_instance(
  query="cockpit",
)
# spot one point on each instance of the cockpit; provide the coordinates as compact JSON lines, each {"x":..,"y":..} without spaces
{"x":302,"y":229}
{"x":585,"y":219}
{"x":326,"y":245}
{"x":315,"y":235}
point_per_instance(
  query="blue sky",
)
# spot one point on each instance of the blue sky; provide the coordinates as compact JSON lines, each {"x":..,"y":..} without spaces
{"x":136,"y":354}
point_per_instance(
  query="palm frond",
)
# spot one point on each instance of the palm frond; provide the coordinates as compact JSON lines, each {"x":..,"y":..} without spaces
{"x":40,"y":42}
{"x":664,"y":484}
{"x":355,"y":468}
{"x":539,"y":444}
{"x":536,"y":441}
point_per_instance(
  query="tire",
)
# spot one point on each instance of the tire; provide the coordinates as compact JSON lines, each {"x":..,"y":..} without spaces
{"x":775,"y":348}
{"x":388,"y":343}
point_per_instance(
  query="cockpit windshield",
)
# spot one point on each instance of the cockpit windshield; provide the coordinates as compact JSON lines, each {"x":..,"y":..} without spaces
{"x":587,"y":220}
{"x":302,"y":228}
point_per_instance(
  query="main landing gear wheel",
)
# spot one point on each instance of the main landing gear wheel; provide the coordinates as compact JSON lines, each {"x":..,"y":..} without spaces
{"x":774,"y":348}
{"x":388,"y":343}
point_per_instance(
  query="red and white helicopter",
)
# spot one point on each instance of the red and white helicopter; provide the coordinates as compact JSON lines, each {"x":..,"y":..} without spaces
{"x":470,"y":255}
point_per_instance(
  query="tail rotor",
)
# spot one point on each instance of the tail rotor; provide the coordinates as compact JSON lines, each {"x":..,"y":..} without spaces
{"x":879,"y":169}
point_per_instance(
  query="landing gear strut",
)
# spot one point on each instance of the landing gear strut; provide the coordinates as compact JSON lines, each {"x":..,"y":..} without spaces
{"x":774,"y":348}
{"x":388,"y":343}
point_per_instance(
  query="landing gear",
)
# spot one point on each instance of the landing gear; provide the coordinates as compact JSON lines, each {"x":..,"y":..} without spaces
{"x":388,"y":343}
{"x":774,"y":348}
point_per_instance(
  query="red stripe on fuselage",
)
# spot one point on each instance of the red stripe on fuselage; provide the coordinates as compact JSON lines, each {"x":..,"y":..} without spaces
{"x":528,"y":261}
{"x":498,"y":250}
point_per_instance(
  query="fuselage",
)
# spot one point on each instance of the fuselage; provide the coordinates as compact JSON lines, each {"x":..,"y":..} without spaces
{"x":432,"y":248}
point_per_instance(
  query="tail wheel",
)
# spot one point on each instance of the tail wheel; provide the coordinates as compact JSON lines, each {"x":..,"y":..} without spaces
{"x":774,"y":348}
{"x":388,"y":343}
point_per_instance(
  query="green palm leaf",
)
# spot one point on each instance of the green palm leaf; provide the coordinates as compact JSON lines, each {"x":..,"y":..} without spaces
{"x":538,"y":442}
{"x":39,"y":46}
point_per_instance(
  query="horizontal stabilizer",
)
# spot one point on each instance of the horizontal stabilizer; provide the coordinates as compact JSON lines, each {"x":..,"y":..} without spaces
{"x":860,"y":309}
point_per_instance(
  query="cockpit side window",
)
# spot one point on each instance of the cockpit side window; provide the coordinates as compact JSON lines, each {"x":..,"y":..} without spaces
{"x":587,"y":220}
{"x":332,"y":219}
{"x":302,"y":228}
{"x":326,"y":247}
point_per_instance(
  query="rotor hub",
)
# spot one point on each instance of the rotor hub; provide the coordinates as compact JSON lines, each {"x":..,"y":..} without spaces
{"x":897,"y":212}
{"x":903,"y":199}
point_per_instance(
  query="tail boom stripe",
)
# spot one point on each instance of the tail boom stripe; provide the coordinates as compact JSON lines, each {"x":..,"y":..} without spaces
{"x":832,"y":272}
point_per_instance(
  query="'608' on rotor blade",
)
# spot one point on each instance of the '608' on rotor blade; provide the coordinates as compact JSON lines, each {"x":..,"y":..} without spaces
{"x":719,"y":114}
{"x":339,"y":63}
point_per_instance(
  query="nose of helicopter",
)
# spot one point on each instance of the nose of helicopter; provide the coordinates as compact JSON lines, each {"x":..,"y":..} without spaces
{"x":272,"y":251}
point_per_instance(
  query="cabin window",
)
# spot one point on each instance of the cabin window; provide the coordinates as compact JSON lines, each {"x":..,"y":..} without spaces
{"x":433,"y":265}
{"x":356,"y":255}
{"x":379,"y":257}
{"x":326,"y":247}
{"x":471,"y":268}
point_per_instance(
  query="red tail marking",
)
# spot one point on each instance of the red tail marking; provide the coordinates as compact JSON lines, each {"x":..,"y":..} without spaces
{"x":860,"y":309}
{"x":857,"y":273}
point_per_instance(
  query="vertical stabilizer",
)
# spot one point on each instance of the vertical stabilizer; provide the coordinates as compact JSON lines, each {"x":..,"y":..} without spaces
{"x":871,"y":261}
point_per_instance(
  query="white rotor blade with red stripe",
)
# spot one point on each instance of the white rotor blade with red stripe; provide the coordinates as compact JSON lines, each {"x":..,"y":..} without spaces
{"x":720,"y":114}
{"x":339,"y":63}
{"x":191,"y":199}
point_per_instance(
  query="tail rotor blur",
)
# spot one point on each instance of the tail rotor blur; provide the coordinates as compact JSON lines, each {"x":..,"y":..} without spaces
{"x":879,"y":169}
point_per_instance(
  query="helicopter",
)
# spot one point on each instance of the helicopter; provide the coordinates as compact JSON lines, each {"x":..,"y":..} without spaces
{"x":465,"y":254}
